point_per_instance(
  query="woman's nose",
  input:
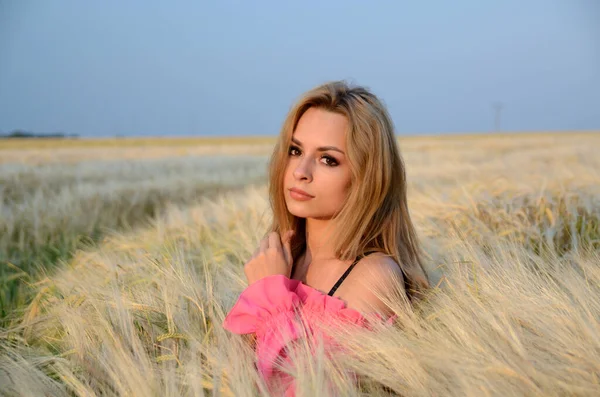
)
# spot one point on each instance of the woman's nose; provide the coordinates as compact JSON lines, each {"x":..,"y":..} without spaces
{"x":302,"y":171}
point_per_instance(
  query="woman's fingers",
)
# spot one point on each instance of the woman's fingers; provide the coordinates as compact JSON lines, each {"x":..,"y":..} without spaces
{"x":273,"y":256}
{"x":275,"y":241}
{"x":287,"y":249}
{"x":264,"y":244}
{"x":256,"y":251}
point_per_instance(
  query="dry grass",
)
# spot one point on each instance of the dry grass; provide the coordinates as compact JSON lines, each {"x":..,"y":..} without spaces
{"x":70,"y":151}
{"x":510,"y":228}
{"x":48,"y":211}
{"x":82,"y":143}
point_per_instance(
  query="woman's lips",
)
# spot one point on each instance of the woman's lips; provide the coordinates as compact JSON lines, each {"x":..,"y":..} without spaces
{"x":298,"y":195}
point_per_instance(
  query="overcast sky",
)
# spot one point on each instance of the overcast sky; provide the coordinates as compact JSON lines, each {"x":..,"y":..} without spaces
{"x":104,"y":68}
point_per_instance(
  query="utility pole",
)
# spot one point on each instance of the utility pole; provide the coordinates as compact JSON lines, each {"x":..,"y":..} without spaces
{"x":498,"y":106}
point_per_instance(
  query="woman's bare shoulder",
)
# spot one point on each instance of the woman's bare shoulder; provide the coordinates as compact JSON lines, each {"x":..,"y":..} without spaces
{"x":374,"y":279}
{"x":378,"y":269}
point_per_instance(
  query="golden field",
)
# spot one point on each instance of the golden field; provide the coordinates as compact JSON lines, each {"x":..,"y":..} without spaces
{"x":119,"y":260}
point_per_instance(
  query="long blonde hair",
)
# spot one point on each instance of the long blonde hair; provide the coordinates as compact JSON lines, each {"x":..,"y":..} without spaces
{"x":374,"y":216}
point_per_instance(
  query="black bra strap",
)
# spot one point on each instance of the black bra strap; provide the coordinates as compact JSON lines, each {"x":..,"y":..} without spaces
{"x":346,"y":273}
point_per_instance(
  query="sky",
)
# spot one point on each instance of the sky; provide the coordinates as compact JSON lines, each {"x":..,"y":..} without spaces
{"x":225,"y":68}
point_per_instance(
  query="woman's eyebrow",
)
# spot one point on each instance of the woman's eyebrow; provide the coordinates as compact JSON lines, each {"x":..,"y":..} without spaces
{"x":320,"y":149}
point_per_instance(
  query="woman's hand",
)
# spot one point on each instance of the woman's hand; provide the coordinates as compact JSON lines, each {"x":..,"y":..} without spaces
{"x":271,"y":257}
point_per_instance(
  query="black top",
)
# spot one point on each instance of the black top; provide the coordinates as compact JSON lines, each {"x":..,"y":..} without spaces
{"x":346,"y":273}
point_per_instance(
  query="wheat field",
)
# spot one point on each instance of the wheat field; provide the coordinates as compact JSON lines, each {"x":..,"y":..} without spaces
{"x":108,"y":290}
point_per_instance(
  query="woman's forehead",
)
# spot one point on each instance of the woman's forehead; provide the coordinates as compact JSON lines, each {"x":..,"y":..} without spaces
{"x":318,"y":128}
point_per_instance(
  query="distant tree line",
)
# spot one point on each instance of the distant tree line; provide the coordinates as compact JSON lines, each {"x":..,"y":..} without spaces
{"x":27,"y":134}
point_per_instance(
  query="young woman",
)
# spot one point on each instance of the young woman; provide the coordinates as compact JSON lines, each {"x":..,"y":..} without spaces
{"x":342,"y":239}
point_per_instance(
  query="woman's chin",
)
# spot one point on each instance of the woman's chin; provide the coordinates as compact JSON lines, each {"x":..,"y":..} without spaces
{"x":295,"y":210}
{"x":299,"y":214}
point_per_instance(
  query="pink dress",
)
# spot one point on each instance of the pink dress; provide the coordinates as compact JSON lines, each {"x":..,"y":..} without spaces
{"x":279,"y":311}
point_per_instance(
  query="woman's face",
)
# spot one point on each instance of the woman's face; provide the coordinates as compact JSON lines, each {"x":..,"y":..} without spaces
{"x":317,"y":164}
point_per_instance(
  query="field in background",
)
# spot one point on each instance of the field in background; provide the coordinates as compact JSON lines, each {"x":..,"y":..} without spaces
{"x":510,"y":225}
{"x":79,"y":143}
{"x":45,"y":151}
{"x":48,"y":211}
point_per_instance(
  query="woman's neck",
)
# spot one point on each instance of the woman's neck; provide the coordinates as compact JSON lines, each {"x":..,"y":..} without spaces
{"x":318,"y":241}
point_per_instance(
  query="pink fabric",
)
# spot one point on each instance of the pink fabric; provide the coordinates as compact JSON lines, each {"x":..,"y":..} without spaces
{"x":280,"y":310}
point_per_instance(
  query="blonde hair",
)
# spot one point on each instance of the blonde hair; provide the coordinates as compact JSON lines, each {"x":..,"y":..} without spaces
{"x":374,"y":215}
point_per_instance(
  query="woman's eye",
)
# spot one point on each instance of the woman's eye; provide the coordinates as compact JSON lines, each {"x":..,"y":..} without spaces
{"x":330,"y":161}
